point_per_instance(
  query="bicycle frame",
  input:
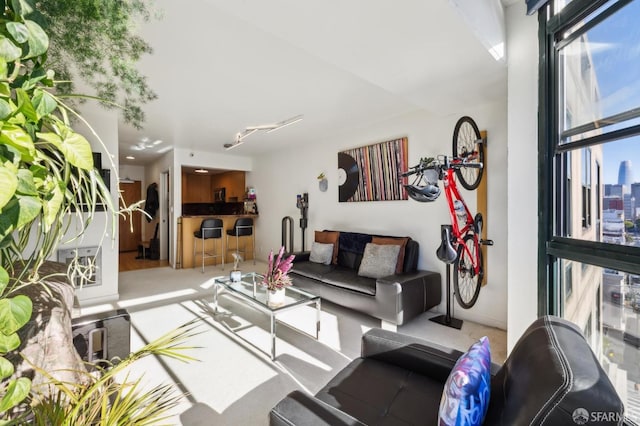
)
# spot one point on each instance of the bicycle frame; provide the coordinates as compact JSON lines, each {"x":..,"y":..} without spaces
{"x":452,"y":194}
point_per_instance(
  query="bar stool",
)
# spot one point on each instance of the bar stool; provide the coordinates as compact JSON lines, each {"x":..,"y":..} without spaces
{"x":243,"y":227}
{"x":209,"y":229}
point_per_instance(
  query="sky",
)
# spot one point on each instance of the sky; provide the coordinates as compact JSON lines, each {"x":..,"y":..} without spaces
{"x":616,"y":61}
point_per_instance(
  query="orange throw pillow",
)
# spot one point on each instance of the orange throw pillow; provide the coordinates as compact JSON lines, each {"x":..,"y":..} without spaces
{"x":329,"y":237}
{"x":402,"y":242}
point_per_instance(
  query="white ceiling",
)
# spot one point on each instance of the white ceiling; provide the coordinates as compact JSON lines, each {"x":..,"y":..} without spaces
{"x":219,"y":66}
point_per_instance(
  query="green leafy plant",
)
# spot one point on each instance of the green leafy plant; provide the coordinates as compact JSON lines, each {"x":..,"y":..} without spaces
{"x":48,"y":182}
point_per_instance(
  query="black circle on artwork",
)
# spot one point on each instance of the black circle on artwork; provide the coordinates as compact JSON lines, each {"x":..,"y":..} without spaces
{"x":348,"y":167}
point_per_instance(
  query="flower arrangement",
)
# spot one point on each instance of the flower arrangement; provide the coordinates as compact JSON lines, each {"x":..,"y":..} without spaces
{"x":277,"y":276}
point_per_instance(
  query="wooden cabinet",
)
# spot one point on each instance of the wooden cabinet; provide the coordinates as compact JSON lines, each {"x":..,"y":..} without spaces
{"x":198,"y":188}
{"x":233,"y":182}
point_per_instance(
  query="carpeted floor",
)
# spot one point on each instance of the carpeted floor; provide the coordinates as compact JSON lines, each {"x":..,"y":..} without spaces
{"x":234,"y":381}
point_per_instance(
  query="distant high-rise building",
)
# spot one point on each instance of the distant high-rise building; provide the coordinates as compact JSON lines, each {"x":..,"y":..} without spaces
{"x":629,"y":207}
{"x":625,"y":176}
{"x":635,"y":192}
{"x":616,"y":190}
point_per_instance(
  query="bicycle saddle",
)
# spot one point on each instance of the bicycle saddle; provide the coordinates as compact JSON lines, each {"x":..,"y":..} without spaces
{"x":445,"y":252}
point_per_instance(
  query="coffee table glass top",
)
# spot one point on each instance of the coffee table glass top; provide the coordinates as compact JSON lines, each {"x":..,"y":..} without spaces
{"x":249,"y":286}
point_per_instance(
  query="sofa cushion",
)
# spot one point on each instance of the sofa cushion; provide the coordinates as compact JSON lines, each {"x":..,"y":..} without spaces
{"x":329,"y":237}
{"x":347,"y":278}
{"x":465,"y":397}
{"x":378,"y":393}
{"x":352,"y":246}
{"x":321,"y":253}
{"x":379,"y":260}
{"x":402,"y":242}
{"x":312,"y":270}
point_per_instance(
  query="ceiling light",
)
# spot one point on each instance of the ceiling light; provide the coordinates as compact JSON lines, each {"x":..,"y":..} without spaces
{"x":145,"y":143}
{"x":268,"y":127}
{"x":130,"y":157}
{"x":286,"y":123}
{"x":201,"y":171}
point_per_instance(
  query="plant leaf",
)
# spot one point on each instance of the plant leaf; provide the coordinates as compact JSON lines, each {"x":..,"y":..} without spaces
{"x":14,"y":313}
{"x":6,"y":368}
{"x":8,"y":50}
{"x":5,"y":109}
{"x":18,"y":31}
{"x":51,"y":138}
{"x":45,"y":103}
{"x":25,"y":106}
{"x":18,"y":138}
{"x":52,"y":206}
{"x":8,"y":183}
{"x":16,"y":392}
{"x":19,"y":211}
{"x":77,"y":151}
{"x":25,"y":183}
{"x":9,"y":343}
{"x":4,"y":279}
{"x":38,"y":40}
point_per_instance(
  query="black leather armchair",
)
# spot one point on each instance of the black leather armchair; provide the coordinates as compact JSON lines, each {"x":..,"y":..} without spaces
{"x":550,"y":373}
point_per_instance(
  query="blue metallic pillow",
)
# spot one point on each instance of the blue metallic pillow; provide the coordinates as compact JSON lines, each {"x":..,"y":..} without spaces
{"x":465,"y":397}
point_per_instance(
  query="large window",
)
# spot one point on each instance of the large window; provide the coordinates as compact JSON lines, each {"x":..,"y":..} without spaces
{"x":589,"y":150}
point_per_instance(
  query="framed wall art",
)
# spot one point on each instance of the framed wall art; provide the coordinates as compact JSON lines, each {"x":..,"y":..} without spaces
{"x":372,"y":172}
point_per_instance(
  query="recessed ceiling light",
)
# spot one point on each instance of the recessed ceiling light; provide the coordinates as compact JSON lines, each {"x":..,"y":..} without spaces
{"x":157,"y":142}
{"x":130,"y":157}
{"x":201,"y":171}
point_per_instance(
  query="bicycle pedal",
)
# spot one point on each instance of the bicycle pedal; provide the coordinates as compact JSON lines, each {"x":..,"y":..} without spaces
{"x":486,"y":242}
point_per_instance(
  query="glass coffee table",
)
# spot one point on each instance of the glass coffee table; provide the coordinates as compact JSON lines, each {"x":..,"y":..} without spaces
{"x":249,"y":291}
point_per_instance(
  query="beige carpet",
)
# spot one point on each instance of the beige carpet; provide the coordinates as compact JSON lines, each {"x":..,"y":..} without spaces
{"x":235,"y":382}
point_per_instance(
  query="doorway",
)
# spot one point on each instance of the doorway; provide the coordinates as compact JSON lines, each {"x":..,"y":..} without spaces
{"x":129,"y":240}
{"x":132,"y":256}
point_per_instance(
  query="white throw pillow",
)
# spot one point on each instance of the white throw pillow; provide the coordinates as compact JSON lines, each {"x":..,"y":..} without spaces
{"x":321,"y":253}
{"x":379,"y":260}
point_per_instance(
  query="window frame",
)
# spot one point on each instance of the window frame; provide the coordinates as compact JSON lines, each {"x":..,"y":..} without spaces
{"x":553,"y":248}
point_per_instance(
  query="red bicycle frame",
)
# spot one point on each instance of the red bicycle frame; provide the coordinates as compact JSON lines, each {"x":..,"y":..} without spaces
{"x":452,"y":194}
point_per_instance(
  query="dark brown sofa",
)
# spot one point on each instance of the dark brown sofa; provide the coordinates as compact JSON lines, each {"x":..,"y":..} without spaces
{"x":394,"y":299}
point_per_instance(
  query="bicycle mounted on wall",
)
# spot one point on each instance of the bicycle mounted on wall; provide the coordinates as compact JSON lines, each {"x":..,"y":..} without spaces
{"x":461,"y":239}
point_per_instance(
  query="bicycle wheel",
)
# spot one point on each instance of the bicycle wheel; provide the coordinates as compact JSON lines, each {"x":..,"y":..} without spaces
{"x":466,"y":283}
{"x":465,"y":146}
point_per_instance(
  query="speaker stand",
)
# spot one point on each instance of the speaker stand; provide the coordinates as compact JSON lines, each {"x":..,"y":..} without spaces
{"x":447,"y":319}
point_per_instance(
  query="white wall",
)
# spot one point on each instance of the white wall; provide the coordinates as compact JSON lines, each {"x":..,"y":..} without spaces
{"x":128,"y":171}
{"x":100,"y":231}
{"x":522,"y":122}
{"x":279,"y":176}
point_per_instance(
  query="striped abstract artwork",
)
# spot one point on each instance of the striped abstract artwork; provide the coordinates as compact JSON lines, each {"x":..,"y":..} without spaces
{"x":372,"y":172}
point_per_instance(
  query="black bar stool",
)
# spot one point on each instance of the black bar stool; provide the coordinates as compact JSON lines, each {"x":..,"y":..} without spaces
{"x":209,"y":229}
{"x":243,"y":227}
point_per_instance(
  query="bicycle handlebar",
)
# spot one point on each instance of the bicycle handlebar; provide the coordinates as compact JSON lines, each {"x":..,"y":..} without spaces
{"x":443,"y":165}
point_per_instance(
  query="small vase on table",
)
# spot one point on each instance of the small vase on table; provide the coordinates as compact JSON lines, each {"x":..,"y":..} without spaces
{"x":276,"y":297}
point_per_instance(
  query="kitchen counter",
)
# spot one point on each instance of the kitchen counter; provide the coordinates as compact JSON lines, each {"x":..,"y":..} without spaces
{"x":190,"y":224}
